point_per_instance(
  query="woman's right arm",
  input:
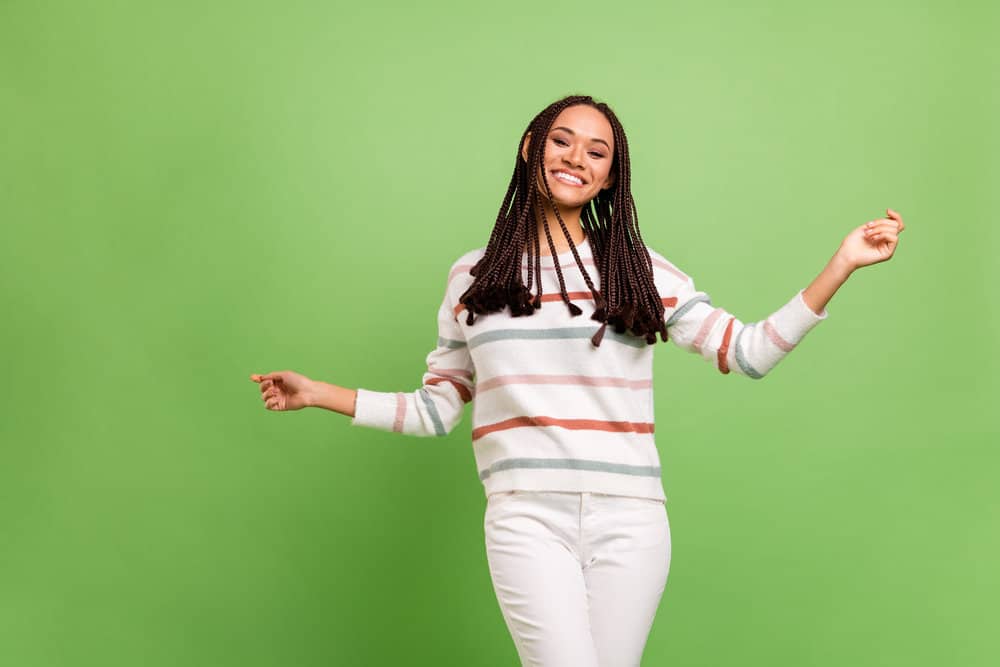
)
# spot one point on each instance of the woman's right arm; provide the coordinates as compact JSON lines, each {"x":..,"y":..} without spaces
{"x":332,"y":397}
{"x":435,"y":408}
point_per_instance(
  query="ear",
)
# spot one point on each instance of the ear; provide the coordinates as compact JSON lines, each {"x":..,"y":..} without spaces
{"x":524,"y":147}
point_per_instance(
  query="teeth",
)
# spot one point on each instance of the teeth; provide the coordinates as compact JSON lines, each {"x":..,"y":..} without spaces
{"x":562,"y":176}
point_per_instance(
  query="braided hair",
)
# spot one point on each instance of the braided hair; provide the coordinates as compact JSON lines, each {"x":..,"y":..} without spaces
{"x":628,"y":299}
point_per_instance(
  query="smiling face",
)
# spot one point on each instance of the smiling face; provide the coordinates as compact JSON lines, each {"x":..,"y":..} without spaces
{"x":578,"y":154}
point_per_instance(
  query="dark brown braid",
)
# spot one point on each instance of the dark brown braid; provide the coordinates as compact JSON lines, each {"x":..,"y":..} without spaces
{"x":628,"y":299}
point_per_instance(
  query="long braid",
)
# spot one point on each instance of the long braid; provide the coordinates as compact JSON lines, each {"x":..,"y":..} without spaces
{"x":598,"y":299}
{"x":537,"y":244}
{"x":573,"y":308}
{"x":628,"y":299}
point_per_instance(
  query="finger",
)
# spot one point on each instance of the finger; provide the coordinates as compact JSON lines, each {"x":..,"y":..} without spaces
{"x":884,"y":237}
{"x":265,"y":385}
{"x":897,"y":217}
{"x":882,"y":225}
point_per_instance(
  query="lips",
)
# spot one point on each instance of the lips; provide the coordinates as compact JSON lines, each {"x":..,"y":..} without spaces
{"x":567,"y":178}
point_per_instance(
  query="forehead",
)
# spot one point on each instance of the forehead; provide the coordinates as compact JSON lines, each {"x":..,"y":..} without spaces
{"x":586,"y":122}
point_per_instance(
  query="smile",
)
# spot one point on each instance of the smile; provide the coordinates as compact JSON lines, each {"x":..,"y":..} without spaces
{"x":568,"y":179}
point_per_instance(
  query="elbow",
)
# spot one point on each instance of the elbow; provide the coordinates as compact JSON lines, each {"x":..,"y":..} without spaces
{"x":754,"y":366}
{"x":748,"y":370}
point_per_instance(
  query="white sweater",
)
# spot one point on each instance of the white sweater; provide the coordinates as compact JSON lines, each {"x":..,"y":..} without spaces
{"x":550,"y":411}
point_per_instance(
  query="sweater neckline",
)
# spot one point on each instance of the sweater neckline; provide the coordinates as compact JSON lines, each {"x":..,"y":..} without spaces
{"x":583,"y":248}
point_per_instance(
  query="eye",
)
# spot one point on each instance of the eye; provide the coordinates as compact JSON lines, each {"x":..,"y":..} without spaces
{"x":559,"y":142}
{"x":596,"y":154}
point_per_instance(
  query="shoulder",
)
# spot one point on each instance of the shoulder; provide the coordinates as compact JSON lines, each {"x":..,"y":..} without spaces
{"x":459,"y":277}
{"x":470,"y":257}
{"x":465,"y":262}
{"x":667,"y":275}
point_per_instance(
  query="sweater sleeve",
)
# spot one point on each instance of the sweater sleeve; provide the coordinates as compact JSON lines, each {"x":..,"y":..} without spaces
{"x":447,"y":385}
{"x":750,"y":349}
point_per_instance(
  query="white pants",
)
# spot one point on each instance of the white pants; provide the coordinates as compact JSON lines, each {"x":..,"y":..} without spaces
{"x":578,"y":576}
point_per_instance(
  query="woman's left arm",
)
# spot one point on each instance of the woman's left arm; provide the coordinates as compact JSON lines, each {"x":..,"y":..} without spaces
{"x":868,"y":244}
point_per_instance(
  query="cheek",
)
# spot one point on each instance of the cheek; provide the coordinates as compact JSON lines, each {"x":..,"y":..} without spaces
{"x":601,"y":176}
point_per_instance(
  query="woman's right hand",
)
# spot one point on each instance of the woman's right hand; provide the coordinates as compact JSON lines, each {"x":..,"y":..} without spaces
{"x":285,"y":390}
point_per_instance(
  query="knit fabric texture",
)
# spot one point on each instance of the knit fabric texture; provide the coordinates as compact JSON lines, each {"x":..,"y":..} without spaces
{"x":551,"y":412}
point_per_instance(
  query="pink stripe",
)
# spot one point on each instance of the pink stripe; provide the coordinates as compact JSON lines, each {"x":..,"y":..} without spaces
{"x":669,"y":267}
{"x":550,"y":265}
{"x":557,"y":296}
{"x":581,"y":380}
{"x":706,"y":326}
{"x":397,"y":425}
{"x":460,"y":268}
{"x":775,"y":337}
{"x":452,"y":372}
{"x":464,"y":268}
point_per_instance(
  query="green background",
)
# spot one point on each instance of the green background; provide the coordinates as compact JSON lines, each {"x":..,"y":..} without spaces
{"x":191,"y":193}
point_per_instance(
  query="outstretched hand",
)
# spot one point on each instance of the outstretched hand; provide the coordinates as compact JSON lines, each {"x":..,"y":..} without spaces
{"x":872,"y":242}
{"x":284,"y":390}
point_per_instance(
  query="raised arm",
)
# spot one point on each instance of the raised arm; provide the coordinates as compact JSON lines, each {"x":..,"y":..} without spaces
{"x":871,"y":243}
{"x":754,"y":348}
{"x":751,"y":349}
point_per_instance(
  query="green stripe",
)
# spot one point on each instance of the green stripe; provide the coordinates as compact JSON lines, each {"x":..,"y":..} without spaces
{"x":554,"y":334}
{"x":679,"y":313}
{"x":741,"y":360}
{"x":447,"y":342}
{"x":432,"y":409}
{"x":571,"y":464}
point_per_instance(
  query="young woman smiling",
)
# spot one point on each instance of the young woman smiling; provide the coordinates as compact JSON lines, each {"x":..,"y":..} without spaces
{"x":576,"y":530}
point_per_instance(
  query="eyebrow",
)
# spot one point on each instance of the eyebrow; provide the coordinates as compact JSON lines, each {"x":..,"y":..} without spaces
{"x":574,"y":133}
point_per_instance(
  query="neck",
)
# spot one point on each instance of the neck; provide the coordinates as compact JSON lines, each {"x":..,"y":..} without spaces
{"x":570,"y":216}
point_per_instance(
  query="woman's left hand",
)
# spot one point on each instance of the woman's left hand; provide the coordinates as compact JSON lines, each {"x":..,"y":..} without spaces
{"x":872,"y":242}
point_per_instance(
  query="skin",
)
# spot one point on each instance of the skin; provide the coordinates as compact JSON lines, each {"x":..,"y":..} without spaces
{"x":578,"y":150}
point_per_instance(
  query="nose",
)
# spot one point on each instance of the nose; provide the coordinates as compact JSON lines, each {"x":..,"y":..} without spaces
{"x":573,"y":156}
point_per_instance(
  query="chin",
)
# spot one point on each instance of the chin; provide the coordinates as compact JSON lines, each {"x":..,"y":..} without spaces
{"x":571,"y":201}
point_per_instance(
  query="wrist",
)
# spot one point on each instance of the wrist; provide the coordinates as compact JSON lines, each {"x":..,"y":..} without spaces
{"x":332,"y":397}
{"x":317,"y":396}
{"x":840,"y":267}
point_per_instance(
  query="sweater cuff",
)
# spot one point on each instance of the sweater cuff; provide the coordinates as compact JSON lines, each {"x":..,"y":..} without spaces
{"x":810,"y":313}
{"x":375,"y":409}
{"x":795,"y":319}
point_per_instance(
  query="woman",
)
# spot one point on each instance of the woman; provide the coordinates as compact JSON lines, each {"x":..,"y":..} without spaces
{"x":576,"y":530}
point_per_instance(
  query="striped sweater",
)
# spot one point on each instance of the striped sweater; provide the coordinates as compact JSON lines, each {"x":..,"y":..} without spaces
{"x":550,"y":412}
